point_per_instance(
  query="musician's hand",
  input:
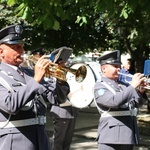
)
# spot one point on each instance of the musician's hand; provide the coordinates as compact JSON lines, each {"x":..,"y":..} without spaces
{"x":40,"y":68}
{"x":137,"y":80}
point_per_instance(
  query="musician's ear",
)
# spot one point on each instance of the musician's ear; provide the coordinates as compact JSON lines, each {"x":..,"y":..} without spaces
{"x":103,"y":68}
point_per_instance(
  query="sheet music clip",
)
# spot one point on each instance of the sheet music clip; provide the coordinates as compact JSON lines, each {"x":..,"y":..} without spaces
{"x":62,"y":53}
{"x":147,"y":67}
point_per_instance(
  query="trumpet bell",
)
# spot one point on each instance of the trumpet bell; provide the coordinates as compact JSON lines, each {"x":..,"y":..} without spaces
{"x":81,"y":73}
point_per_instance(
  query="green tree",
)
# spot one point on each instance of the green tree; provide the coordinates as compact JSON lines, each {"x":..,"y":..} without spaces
{"x":129,"y":21}
{"x":85,"y":25}
{"x":73,"y":31}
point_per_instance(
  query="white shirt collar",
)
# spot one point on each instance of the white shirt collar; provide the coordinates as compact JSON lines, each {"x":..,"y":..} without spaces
{"x":14,"y":67}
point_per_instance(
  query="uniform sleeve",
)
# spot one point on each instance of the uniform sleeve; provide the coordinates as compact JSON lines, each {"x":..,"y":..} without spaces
{"x":105,"y":97}
{"x":61,"y":91}
{"x":143,"y":98}
{"x":57,"y":91}
{"x":12,"y":102}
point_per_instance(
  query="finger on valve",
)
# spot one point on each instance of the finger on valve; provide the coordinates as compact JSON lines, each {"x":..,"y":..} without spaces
{"x":137,"y":79}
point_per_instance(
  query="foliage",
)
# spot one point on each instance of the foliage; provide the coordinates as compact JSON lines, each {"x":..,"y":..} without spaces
{"x":83,"y":25}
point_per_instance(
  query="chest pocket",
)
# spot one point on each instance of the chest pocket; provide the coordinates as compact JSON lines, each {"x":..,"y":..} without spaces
{"x":114,"y":92}
{"x":5,"y":84}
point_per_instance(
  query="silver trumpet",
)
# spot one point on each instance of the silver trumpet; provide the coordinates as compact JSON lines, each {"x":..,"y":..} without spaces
{"x":147,"y":80}
{"x":127,"y":75}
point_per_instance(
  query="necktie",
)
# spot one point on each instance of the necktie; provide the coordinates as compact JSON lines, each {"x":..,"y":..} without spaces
{"x":20,"y":71}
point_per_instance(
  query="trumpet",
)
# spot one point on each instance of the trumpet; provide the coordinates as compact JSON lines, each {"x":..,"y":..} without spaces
{"x":127,"y":75}
{"x":60,"y":71}
{"x":147,"y":80}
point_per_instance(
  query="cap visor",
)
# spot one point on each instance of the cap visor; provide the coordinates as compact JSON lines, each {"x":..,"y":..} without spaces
{"x":15,"y":42}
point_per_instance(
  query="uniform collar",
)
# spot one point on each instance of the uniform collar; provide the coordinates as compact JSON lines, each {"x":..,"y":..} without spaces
{"x":11,"y":71}
{"x":14,"y":67}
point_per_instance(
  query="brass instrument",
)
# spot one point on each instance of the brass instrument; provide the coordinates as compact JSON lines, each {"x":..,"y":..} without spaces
{"x":127,"y":75}
{"x":147,"y":80}
{"x":59,"y":71}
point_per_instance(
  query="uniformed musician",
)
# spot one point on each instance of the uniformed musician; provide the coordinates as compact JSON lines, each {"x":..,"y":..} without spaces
{"x":22,"y":97}
{"x":118,"y":105}
{"x":64,"y":115}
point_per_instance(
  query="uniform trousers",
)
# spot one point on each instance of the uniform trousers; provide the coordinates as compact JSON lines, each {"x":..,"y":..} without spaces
{"x":29,"y":138}
{"x":115,"y":147}
{"x":63,"y":133}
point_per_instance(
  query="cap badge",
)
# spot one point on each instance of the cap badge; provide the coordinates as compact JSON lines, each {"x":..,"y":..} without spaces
{"x":18,"y":29}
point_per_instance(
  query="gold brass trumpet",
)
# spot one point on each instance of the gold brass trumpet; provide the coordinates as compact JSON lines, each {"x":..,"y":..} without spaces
{"x":59,"y":71}
{"x":147,"y":80}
